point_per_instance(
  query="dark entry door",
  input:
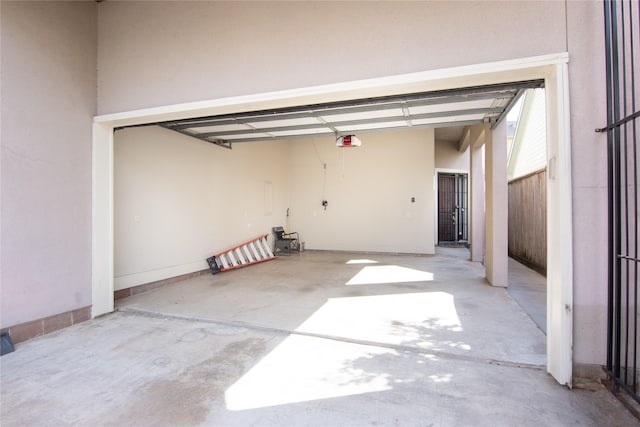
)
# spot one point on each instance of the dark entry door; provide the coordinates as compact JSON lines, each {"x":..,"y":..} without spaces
{"x":446,"y":207}
{"x":452,"y":207}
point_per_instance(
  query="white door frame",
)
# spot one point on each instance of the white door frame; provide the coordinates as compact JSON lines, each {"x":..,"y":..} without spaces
{"x":552,"y":68}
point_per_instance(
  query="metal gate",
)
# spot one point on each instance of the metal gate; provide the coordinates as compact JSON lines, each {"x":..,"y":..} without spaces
{"x":622,"y":30}
{"x":452,"y":207}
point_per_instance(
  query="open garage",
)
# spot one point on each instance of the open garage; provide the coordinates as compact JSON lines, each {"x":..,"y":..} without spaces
{"x":139,"y":139}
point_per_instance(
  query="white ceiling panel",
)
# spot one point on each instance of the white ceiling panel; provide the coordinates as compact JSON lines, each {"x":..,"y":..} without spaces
{"x":455,"y":107}
{"x":449,"y":119}
{"x":284,"y":123}
{"x":223,"y":128}
{"x":369,"y":126}
{"x":379,"y":114}
{"x":301,"y":132}
{"x":246,"y":136}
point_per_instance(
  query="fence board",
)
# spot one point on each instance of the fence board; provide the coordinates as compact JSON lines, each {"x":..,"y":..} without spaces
{"x":528,"y":220}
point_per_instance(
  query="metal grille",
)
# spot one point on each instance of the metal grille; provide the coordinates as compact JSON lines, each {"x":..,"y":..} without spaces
{"x":622,"y":29}
{"x":452,"y":207}
{"x":446,"y":208}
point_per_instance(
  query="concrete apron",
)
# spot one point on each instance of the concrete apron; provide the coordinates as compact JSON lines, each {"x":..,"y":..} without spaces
{"x":312,"y":339}
{"x":435,"y":303}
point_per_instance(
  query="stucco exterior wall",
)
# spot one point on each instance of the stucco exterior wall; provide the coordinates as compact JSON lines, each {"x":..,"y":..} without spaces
{"x":585,"y":38}
{"x":48,"y":101}
{"x":158,"y":53}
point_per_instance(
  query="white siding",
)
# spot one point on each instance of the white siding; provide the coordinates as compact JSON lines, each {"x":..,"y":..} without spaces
{"x":529,"y":152}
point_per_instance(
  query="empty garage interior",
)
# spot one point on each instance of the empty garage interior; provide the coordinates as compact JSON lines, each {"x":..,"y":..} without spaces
{"x":180,"y":195}
{"x":371,"y":273}
{"x":371,"y":270}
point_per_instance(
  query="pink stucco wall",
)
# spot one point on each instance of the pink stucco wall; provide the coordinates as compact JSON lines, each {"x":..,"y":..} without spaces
{"x":48,"y":100}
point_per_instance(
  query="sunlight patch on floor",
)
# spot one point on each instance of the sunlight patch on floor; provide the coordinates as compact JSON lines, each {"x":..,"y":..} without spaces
{"x":361,"y":261}
{"x":301,"y":370}
{"x":379,"y":274}
{"x":443,"y":378}
{"x":424,"y":319}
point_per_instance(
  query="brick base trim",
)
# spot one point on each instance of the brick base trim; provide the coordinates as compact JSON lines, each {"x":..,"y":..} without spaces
{"x":124,"y":293}
{"x":36,"y":328}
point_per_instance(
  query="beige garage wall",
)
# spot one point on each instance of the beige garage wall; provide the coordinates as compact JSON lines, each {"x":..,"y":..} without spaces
{"x":448,"y":156}
{"x":368,"y":190}
{"x":154,"y":53}
{"x":179,"y":200}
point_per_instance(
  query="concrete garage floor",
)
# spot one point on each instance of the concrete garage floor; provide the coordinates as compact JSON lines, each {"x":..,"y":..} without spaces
{"x":529,"y":289}
{"x":326,"y":339}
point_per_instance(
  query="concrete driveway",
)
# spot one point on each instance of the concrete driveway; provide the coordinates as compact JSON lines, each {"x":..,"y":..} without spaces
{"x":319,"y":338}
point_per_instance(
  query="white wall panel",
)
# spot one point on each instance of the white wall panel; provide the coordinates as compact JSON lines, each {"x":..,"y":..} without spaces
{"x":368,"y":190}
{"x":179,"y":200}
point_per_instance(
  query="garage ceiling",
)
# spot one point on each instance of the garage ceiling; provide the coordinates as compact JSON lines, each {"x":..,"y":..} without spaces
{"x":439,"y":109}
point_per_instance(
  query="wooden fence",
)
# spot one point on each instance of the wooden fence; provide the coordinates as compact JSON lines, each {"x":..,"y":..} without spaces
{"x":528,"y":220}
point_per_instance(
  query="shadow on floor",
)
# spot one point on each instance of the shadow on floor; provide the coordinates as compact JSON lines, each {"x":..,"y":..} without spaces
{"x":529,"y":289}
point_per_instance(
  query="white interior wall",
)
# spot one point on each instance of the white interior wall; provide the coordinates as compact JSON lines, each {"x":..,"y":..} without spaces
{"x":369,"y":191}
{"x":179,"y":200}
